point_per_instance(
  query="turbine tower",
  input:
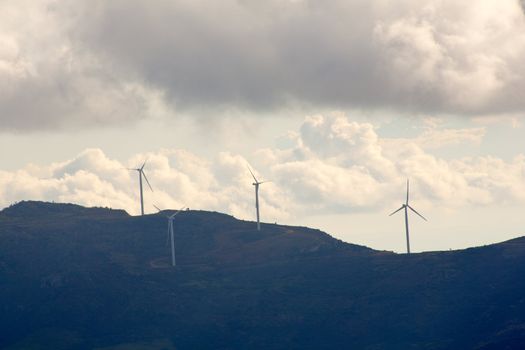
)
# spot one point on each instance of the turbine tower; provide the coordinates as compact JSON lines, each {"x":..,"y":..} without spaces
{"x":171,"y":234}
{"x":256,"y":184}
{"x":406,"y":206}
{"x":142,"y":174}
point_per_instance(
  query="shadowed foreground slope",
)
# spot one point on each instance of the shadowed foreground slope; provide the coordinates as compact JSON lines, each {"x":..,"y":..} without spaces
{"x":74,"y":277}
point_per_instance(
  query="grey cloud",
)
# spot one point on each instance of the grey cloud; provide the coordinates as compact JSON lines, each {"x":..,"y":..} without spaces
{"x":48,"y":81}
{"x":422,"y":56}
{"x":243,"y":54}
{"x":66,"y":101}
{"x":97,"y":62}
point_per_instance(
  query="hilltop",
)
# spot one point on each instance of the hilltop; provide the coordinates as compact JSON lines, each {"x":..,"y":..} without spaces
{"x":75,"y":277}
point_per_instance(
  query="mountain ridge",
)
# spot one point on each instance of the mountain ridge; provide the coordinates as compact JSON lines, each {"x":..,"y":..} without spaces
{"x":97,"y":278}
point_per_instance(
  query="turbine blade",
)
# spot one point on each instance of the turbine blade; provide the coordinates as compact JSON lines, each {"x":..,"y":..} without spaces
{"x":397,"y":210}
{"x":144,"y":174}
{"x":263,"y":182}
{"x":252,"y":174}
{"x":408,"y":187}
{"x":144,"y":164}
{"x":414,"y":210}
{"x":157,"y":208}
{"x":178,"y":211}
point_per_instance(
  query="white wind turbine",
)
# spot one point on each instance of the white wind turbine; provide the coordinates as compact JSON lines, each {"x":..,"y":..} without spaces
{"x":171,"y":234}
{"x":406,"y":206}
{"x":142,"y":174}
{"x":256,"y":184}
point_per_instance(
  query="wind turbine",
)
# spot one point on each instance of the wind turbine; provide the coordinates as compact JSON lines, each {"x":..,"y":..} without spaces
{"x":142,"y":174}
{"x":171,"y":235}
{"x":256,"y":184}
{"x":406,"y":206}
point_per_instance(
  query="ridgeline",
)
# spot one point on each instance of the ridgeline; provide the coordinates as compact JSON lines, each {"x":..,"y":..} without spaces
{"x":95,"y":278}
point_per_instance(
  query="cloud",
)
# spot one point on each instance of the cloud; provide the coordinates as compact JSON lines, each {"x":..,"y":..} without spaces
{"x":333,"y":165}
{"x":350,"y":168}
{"x":454,"y":56}
{"x":87,"y":63}
{"x":434,"y":136}
{"x":49,"y":82}
{"x":430,"y":56}
{"x":514,"y":121}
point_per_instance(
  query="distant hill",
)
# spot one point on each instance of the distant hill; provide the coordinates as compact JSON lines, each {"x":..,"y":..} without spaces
{"x":97,"y":278}
{"x":29,"y":210}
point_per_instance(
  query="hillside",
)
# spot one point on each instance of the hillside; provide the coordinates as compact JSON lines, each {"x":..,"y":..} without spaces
{"x":75,"y":277}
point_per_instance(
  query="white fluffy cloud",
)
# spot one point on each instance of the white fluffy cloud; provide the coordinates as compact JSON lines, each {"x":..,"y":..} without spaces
{"x":335,"y":165}
{"x":457,"y":55}
{"x":83,"y":63}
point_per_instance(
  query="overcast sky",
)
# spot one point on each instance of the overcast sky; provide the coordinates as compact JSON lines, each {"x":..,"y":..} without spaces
{"x":337,"y":102}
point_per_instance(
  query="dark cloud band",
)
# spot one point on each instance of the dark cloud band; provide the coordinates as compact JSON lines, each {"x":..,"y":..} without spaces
{"x":97,"y":62}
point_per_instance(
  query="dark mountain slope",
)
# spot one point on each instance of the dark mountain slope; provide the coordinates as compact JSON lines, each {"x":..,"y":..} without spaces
{"x":74,"y":277}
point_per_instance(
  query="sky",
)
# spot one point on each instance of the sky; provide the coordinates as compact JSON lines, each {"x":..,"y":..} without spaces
{"x":336,"y":103}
